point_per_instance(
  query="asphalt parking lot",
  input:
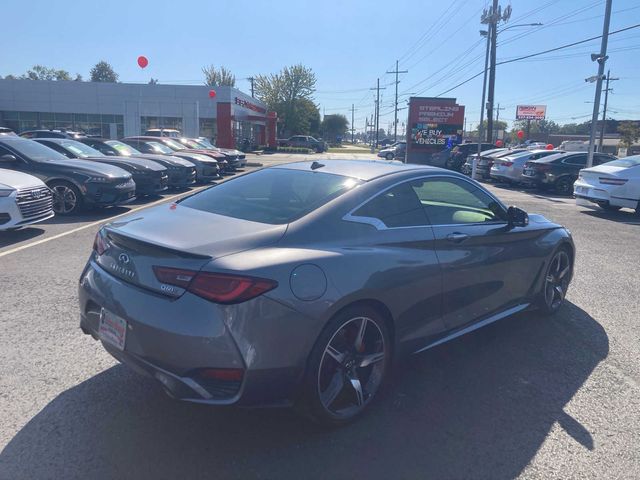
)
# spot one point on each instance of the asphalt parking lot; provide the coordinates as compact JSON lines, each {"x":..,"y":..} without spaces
{"x":527,"y":397}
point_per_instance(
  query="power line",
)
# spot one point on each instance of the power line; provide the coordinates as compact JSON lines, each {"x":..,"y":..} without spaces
{"x":539,"y":53}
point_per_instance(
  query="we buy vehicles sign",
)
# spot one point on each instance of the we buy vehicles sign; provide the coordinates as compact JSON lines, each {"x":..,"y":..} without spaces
{"x":434,"y":120}
{"x":531,"y":112}
{"x":434,"y":124}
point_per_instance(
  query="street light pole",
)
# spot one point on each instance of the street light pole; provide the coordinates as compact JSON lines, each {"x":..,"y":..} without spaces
{"x":604,"y":113}
{"x":601,"y":59}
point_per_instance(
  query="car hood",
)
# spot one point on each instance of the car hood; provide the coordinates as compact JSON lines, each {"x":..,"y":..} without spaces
{"x":130,"y":163}
{"x":186,"y":229}
{"x":89,"y":167}
{"x":165,"y":159}
{"x":211,"y":153}
{"x":18,"y":180}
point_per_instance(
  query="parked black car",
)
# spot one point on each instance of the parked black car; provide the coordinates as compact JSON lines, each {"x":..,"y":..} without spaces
{"x":151,"y":178}
{"x":207,"y":168}
{"x":52,"y":133}
{"x":75,"y":183}
{"x":182,"y":173}
{"x":559,"y":171}
{"x":459,"y":154}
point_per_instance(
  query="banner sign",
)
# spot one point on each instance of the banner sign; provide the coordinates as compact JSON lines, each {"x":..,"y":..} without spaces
{"x":531,"y":112}
{"x":434,"y":122}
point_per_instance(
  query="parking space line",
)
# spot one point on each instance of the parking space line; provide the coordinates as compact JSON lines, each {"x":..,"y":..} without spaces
{"x":93,"y":224}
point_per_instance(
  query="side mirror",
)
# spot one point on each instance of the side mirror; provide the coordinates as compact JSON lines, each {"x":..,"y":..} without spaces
{"x":517,"y":217}
{"x":8,"y":158}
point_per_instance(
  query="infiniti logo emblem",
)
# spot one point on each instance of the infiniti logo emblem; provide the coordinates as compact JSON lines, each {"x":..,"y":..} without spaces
{"x":124,"y":258}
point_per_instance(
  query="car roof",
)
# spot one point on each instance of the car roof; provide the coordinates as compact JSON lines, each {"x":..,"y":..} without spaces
{"x":56,"y":140}
{"x":361,"y":169}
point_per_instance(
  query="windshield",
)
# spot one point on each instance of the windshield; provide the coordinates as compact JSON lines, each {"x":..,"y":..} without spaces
{"x":159,"y":147}
{"x":275,"y":196}
{"x":173,"y":144}
{"x":80,"y":149}
{"x":206,"y":143}
{"x":35,"y":151}
{"x":122,"y":148}
{"x":626,"y":162}
{"x":192,"y":143}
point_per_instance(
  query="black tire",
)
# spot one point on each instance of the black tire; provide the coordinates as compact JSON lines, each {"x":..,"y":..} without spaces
{"x":356,"y":385}
{"x":389,"y":156}
{"x":551,"y":299}
{"x":564,"y":186}
{"x":67,"y":199}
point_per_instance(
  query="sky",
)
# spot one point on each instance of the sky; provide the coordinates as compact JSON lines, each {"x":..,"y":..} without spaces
{"x":348,"y":44}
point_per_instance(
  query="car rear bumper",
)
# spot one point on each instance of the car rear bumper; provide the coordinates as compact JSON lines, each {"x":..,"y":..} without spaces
{"x":172,"y":340}
{"x":600,"y":196}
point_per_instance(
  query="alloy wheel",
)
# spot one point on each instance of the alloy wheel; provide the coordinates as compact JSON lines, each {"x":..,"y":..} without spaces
{"x":352,"y":367}
{"x":557,"y":280}
{"x":64,"y":199}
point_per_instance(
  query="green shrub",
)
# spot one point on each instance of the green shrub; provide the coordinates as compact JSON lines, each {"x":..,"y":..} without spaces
{"x":294,"y":150}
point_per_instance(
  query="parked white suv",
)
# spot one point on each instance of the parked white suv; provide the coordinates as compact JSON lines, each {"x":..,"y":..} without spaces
{"x":24,"y":199}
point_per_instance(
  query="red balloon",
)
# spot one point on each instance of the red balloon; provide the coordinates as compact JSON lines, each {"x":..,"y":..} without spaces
{"x":520,"y":134}
{"x":212,"y":93}
{"x":142,"y":61}
{"x":499,"y":143}
{"x":549,"y":146}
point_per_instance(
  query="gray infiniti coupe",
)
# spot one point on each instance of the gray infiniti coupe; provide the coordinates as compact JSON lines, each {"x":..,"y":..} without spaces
{"x":297,"y":284}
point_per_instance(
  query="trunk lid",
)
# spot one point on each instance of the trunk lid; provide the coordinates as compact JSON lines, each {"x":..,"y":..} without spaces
{"x":179,"y":237}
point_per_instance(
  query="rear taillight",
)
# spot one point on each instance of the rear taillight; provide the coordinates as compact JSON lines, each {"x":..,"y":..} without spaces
{"x":217,"y":287}
{"x":612,"y":181}
{"x":100,"y":244}
{"x":507,"y":164}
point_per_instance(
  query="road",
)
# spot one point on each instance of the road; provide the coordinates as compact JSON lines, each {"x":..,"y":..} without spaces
{"x":527,"y":397}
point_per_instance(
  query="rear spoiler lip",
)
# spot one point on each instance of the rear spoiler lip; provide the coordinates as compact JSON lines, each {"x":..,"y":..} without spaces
{"x":122,"y":238}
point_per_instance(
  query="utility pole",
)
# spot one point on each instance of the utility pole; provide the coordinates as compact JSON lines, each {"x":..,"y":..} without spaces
{"x":493,"y":32}
{"x":492,"y":17}
{"x":395,"y":117}
{"x":352,"y":124}
{"x":601,"y":58}
{"x":377,"y":120}
{"x":604,"y":113}
{"x":498,"y":112}
{"x":484,"y":91}
{"x":251,"y":79}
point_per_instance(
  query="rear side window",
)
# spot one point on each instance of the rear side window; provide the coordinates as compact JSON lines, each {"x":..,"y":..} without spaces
{"x":576,"y":160}
{"x":275,"y":196}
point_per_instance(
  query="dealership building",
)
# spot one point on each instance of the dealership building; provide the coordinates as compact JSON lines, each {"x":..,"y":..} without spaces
{"x":114,"y":110}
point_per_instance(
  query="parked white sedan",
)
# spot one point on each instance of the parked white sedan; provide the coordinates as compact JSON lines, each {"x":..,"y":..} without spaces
{"x":24,"y":199}
{"x":612,"y":185}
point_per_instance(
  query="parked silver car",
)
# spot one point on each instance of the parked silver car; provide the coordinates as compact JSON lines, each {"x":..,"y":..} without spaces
{"x":510,"y":167}
{"x":299,"y":283}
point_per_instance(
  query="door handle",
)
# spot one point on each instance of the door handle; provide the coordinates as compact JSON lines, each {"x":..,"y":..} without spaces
{"x":457,"y":237}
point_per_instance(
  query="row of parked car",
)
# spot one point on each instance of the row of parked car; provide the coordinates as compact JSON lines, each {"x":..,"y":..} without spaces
{"x":43,"y":172}
{"x":611,"y":183}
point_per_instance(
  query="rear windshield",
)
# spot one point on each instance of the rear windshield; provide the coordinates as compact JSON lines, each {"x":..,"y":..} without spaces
{"x":626,"y":162}
{"x":275,"y":195}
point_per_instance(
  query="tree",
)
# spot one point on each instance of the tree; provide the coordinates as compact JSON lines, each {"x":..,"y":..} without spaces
{"x":283,"y":92}
{"x":40,"y":72}
{"x":218,"y":77}
{"x":497,"y":125}
{"x":103,"y":72}
{"x":629,"y":133}
{"x":334,"y":126}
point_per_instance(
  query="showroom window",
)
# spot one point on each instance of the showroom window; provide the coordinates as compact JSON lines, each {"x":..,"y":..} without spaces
{"x":104,"y":125}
